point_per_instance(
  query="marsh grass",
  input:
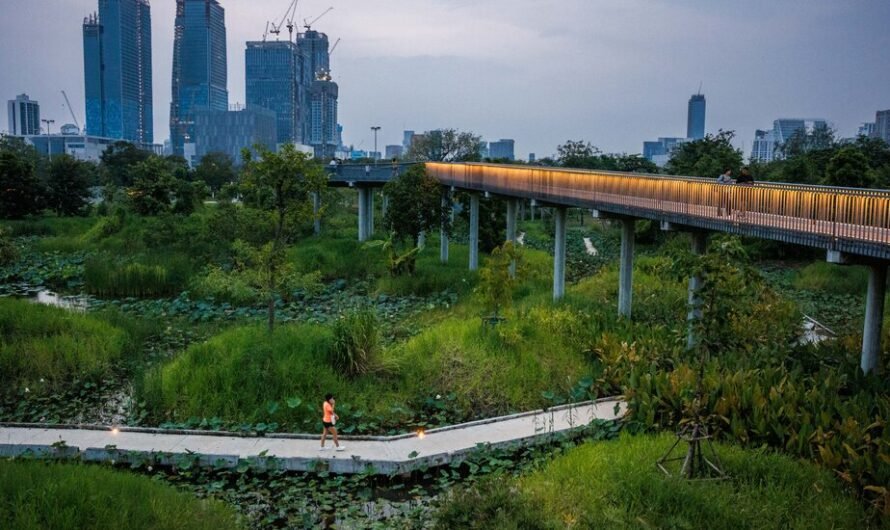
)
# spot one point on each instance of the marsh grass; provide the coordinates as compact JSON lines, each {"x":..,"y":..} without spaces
{"x":38,"y":495}
{"x":150,"y":276}
{"x":42,"y":347}
{"x":833,"y":279}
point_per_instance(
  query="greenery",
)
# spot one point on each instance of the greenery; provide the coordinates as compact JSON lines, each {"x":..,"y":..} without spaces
{"x":21,"y":191}
{"x":216,"y":170}
{"x":50,"y":496}
{"x":500,"y":276}
{"x":705,"y":158}
{"x":356,"y":345}
{"x":418,"y":206}
{"x":42,"y":348}
{"x":584,"y":155}
{"x":9,"y":252}
{"x":617,"y":485}
{"x":68,"y":185}
{"x":445,"y":145}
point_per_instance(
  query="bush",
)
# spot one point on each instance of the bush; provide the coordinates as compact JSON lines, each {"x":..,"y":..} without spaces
{"x":617,"y":485}
{"x":221,"y":286}
{"x":40,"y":495}
{"x":835,"y":279}
{"x":153,"y":276}
{"x":42,"y":348}
{"x":9,"y":252}
{"x":356,"y":343}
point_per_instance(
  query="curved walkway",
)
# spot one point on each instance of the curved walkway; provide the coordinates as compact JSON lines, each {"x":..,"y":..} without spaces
{"x":374,"y":455}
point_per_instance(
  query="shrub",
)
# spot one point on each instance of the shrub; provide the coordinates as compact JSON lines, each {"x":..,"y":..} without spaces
{"x":42,"y":348}
{"x":356,"y":343}
{"x":153,"y":276}
{"x":224,"y":287}
{"x":39,"y":495}
{"x":9,"y":252}
{"x":835,"y":279}
{"x":617,"y":485}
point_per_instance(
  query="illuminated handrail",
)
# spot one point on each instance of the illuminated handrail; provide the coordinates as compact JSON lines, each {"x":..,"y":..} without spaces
{"x":825,"y":212}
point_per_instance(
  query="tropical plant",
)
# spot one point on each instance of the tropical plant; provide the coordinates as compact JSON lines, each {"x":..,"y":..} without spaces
{"x":356,"y":345}
{"x":499,"y":277}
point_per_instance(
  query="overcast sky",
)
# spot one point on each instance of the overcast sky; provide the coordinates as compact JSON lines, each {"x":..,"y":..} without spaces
{"x":613,"y":72}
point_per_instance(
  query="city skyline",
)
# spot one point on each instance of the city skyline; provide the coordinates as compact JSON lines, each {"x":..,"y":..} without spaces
{"x":521,"y":70}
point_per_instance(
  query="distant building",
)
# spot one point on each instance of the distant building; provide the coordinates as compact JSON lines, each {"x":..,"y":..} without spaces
{"x":866,"y":129}
{"x":659,"y":152}
{"x":118,"y":71}
{"x":531,"y":158}
{"x":502,"y":149}
{"x":695,"y":120}
{"x":394,"y":151}
{"x":882,"y":125}
{"x":69,"y":129}
{"x":24,"y":116}
{"x":231,"y":131}
{"x":767,"y":142}
{"x":314,"y":50}
{"x":199,"y":67}
{"x":274,"y":70}
{"x":81,"y":147}
{"x":323,"y":135}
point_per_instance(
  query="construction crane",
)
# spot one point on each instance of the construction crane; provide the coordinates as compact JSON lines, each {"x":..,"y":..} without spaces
{"x":71,"y":110}
{"x":308,"y":25}
{"x":288,"y":16}
{"x":334,"y":47}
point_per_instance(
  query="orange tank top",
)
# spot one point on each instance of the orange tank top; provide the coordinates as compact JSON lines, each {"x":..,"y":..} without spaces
{"x":328,"y":412}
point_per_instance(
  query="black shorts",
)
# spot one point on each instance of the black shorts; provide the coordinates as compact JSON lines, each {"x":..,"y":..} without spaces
{"x":327,"y":424}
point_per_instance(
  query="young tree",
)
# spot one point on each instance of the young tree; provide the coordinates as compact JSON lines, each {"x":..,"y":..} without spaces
{"x":68,"y":184}
{"x":496,"y":284}
{"x":578,"y":154}
{"x":705,"y":158}
{"x":153,"y":187}
{"x":119,"y":161}
{"x":416,"y":207}
{"x":216,"y":170}
{"x":281,"y":184}
{"x":446,"y":145}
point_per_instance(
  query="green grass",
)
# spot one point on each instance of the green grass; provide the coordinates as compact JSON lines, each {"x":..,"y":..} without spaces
{"x":617,"y":485}
{"x":50,"y":225}
{"x":833,"y":279}
{"x":52,"y":496}
{"x":43,"y":347}
{"x":157,"y":275}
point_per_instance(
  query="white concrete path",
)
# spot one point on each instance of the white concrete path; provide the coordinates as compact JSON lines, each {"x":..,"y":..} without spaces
{"x":377,"y":455}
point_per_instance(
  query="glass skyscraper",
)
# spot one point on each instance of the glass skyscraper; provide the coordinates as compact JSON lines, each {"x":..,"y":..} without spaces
{"x":274,"y":71}
{"x":117,"y":71}
{"x":199,"y":67}
{"x":695,"y":121}
{"x":323,"y":130}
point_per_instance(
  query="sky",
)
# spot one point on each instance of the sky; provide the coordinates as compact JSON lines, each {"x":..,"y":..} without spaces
{"x":611,"y":72}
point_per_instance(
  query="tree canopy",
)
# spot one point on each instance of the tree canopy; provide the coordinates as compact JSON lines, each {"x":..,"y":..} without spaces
{"x":580,"y":154}
{"x":446,"y":145}
{"x":706,"y":158}
{"x":416,"y":206}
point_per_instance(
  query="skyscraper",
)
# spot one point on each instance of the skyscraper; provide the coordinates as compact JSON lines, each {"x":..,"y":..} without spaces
{"x":316,"y":65}
{"x":117,"y":71}
{"x":882,"y":125}
{"x":323,"y":134}
{"x":695,"y":121}
{"x":273,"y":73}
{"x":767,"y":144}
{"x":501,"y":150}
{"x":24,"y":116}
{"x":199,"y":66}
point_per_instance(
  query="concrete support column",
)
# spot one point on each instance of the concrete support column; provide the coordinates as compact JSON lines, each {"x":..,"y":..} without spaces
{"x":874,"y":317}
{"x":443,"y":236}
{"x":625,"y":283}
{"x":559,"y":255}
{"x":699,"y":246}
{"x":474,"y":232}
{"x":370,"y":213}
{"x":316,"y":207}
{"x":363,"y":214}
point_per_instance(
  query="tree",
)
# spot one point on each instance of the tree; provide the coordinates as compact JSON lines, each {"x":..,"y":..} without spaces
{"x":216,"y":170}
{"x":68,"y":185}
{"x":280,"y":184}
{"x":446,"y":145}
{"x":578,"y":154}
{"x":9,"y":253}
{"x":21,"y":192}
{"x":153,"y":187}
{"x":119,"y":161}
{"x":848,"y":168}
{"x":705,"y":158}
{"x":492,"y":220}
{"x":496,"y":284}
{"x":805,"y":141}
{"x":416,"y":207}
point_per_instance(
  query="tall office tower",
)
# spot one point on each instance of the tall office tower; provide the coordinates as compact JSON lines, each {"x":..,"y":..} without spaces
{"x":117,"y":71}
{"x":323,"y":135}
{"x":502,"y":149}
{"x":316,"y":65}
{"x":882,"y":125}
{"x":764,"y":147}
{"x":407,"y":140}
{"x":273,"y":73}
{"x":199,"y":67}
{"x":695,"y":121}
{"x":24,"y":116}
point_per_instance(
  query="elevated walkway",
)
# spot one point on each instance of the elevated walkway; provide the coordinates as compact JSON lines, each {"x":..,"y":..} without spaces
{"x":374,"y":455}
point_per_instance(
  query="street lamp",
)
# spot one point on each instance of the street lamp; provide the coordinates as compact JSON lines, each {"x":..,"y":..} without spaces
{"x":375,"y":128}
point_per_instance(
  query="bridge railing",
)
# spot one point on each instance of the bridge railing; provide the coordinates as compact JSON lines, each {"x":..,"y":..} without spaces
{"x":848,"y":213}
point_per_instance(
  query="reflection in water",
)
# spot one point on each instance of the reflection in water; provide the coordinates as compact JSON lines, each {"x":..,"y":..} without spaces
{"x":74,"y":303}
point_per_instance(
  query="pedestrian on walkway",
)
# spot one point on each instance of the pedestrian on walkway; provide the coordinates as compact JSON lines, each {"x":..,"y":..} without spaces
{"x":745,"y":180}
{"x":329,"y":420}
{"x":724,"y":193}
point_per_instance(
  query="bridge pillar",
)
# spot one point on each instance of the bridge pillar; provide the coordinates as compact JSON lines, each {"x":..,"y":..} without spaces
{"x":443,"y":236}
{"x":874,"y":317}
{"x":384,"y":205}
{"x":370,"y":228}
{"x":474,"y":232}
{"x":625,"y":283}
{"x":699,"y":246}
{"x":512,"y":209}
{"x":316,"y":207}
{"x":363,"y":214}
{"x":559,"y":254}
